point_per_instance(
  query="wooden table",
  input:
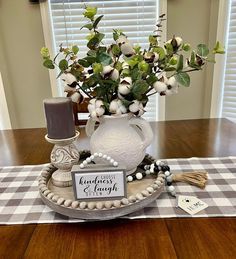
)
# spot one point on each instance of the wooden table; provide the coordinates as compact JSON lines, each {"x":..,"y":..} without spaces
{"x":152,"y":238}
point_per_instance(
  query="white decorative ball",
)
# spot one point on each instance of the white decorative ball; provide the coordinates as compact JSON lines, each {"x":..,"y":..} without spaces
{"x":170,"y":188}
{"x":115,"y":164}
{"x":167,"y":173}
{"x":139,"y":176}
{"x":130,"y":178}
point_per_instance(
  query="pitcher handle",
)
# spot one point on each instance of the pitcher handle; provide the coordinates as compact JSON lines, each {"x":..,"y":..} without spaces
{"x":145,"y":129}
{"x":90,"y":127}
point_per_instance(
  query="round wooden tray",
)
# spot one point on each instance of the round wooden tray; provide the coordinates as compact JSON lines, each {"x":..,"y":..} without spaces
{"x":140,"y":193}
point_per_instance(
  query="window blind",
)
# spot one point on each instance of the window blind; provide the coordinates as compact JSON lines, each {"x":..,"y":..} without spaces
{"x":136,"y":18}
{"x":229,"y":91}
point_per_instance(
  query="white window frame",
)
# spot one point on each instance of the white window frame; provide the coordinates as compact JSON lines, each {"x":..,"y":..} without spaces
{"x":48,"y":37}
{"x":219,"y":67}
{"x":5,"y":122}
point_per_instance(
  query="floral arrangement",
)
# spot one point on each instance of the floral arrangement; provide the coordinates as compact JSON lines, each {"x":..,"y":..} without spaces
{"x":121,"y":77}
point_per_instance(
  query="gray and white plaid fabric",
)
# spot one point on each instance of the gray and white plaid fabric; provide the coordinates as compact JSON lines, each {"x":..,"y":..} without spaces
{"x":20,"y":202}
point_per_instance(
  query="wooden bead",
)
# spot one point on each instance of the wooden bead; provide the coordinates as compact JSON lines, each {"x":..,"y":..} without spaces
{"x":117,"y":203}
{"x":55,"y":198}
{"x":46,"y":192}
{"x":60,"y":201}
{"x":158,"y":182}
{"x":91,"y":205}
{"x":139,"y":196}
{"x":154,"y":186}
{"x":50,"y":195}
{"x":99,"y":205}
{"x":125,"y":201}
{"x":150,"y":189}
{"x":82,"y":205}
{"x":44,"y":188}
{"x":145,"y":193}
{"x":108,"y":204}
{"x":75,"y":204}
{"x":67,"y":203}
{"x":132,"y":199}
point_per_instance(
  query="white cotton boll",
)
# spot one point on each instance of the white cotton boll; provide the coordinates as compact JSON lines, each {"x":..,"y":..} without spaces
{"x":113,"y":106}
{"x":120,"y":96}
{"x":141,"y":112}
{"x":115,"y":75}
{"x":172,"y":81}
{"x":126,"y":80}
{"x":125,"y":65}
{"x":67,"y":88}
{"x":122,"y":109}
{"x":127,"y":49}
{"x":134,"y":107}
{"x":107,"y":70}
{"x":100,"y":111}
{"x":69,"y":78}
{"x":75,"y":97}
{"x":122,"y":39}
{"x":92,"y":101}
{"x":91,"y":108}
{"x":98,"y":103}
{"x":179,"y":41}
{"x":124,"y":89}
{"x":93,"y":114}
{"x":160,"y":86}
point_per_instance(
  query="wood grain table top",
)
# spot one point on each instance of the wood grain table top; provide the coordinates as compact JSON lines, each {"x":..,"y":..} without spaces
{"x":120,"y":238}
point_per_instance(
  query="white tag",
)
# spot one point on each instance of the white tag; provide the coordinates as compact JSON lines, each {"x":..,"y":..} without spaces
{"x":191,"y":204}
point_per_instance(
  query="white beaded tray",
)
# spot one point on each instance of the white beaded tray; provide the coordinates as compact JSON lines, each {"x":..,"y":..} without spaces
{"x":140,"y":193}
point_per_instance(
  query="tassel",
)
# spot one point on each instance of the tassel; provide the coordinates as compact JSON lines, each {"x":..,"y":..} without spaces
{"x":196,"y":178}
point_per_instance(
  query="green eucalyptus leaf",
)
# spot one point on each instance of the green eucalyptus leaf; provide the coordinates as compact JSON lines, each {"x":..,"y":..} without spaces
{"x":218,"y":49}
{"x":126,"y":103}
{"x":180,"y":63}
{"x":151,"y":79}
{"x":75,"y":49}
{"x":83,"y":62}
{"x":90,"y":59}
{"x":115,"y":50}
{"x":170,"y":69}
{"x":90,"y":12}
{"x":202,"y":50}
{"x":160,"y":51}
{"x":63,"y":64}
{"x":183,"y":79}
{"x":169,"y":49}
{"x":92,"y":53}
{"x":135,"y":74}
{"x":94,"y":42}
{"x":186,"y":47}
{"x":104,"y":58}
{"x":96,"y":22}
{"x":153,"y":40}
{"x":139,"y":88}
{"x":88,"y":26}
{"x":48,"y":63}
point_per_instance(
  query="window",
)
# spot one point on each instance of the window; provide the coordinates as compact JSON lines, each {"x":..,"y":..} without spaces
{"x":136,"y":18}
{"x":229,"y":91}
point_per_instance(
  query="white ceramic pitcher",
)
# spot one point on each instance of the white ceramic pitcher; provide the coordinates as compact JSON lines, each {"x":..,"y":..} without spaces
{"x":122,"y":137}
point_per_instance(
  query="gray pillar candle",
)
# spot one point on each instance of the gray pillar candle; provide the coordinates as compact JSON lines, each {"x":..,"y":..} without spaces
{"x":59,"y":117}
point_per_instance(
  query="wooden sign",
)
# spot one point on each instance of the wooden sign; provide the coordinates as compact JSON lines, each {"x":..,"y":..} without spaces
{"x":99,"y":182}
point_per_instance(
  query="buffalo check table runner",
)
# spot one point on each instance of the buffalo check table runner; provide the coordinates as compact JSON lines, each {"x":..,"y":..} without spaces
{"x":20,"y":202}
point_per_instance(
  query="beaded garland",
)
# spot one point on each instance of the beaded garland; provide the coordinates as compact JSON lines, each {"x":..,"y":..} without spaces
{"x":91,"y":158}
{"x":156,"y":168}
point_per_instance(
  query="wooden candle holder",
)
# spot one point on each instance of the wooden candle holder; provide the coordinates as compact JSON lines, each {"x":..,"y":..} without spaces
{"x":63,"y":156}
